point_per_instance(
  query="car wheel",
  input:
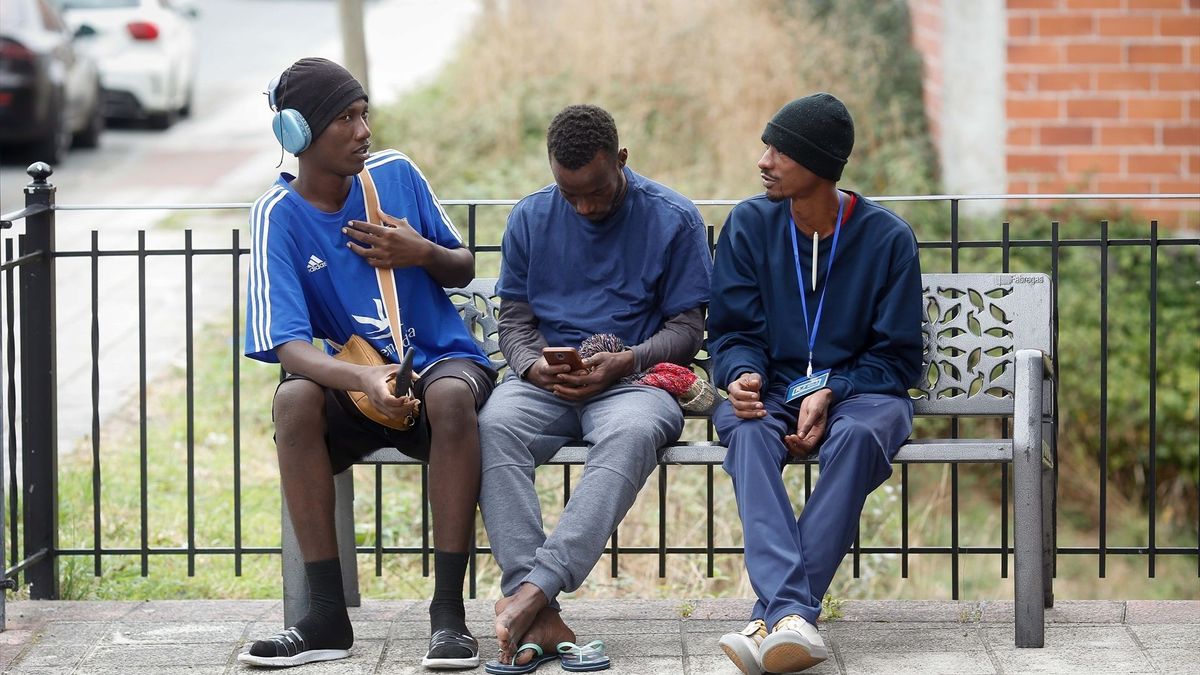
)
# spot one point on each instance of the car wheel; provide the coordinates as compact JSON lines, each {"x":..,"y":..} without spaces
{"x":89,"y":137}
{"x":186,"y":109}
{"x":52,"y":146}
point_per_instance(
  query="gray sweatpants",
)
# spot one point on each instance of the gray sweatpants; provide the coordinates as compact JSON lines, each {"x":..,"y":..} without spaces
{"x":520,"y":428}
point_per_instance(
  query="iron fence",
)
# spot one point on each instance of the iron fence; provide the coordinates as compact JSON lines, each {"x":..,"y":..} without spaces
{"x":30,"y":280}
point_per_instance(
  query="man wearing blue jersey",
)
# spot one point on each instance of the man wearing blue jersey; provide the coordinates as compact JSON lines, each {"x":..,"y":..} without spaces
{"x":313,"y":276}
{"x":815,"y":331}
{"x":601,"y":250}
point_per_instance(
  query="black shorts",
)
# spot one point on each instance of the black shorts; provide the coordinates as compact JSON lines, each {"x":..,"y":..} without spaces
{"x":351,"y":435}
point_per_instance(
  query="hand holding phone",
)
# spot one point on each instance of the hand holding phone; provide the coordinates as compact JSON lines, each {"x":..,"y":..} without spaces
{"x":557,"y":356}
{"x":404,"y":376}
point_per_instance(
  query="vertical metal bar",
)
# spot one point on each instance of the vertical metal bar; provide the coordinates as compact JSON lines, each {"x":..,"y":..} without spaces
{"x":96,"y":482}
{"x":11,"y":360}
{"x":378,"y":520}
{"x":471,"y":243}
{"x":1054,"y":258}
{"x":236,"y":361}
{"x":472,"y":575}
{"x":143,"y":441}
{"x":807,"y":483}
{"x":424,"y":520}
{"x":1153,"y":479}
{"x":1103,"y":394}
{"x":857,"y":549}
{"x":189,"y":366}
{"x":615,"y":552}
{"x":1005,"y":249}
{"x":39,"y":405}
{"x":566,"y":483}
{"x":954,"y":542}
{"x":904,"y":521}
{"x":709,"y":529}
{"x":662,"y":521}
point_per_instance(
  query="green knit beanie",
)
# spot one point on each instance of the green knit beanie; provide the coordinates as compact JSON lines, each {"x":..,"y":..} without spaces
{"x":816,"y":131}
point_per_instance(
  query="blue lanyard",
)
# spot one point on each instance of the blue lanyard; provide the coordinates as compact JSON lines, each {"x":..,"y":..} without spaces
{"x":837,"y":230}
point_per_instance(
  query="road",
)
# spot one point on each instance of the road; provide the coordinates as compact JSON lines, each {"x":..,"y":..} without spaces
{"x":225,"y":152}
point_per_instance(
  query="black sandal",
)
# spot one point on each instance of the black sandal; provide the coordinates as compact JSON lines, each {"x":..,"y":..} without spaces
{"x":451,"y":649}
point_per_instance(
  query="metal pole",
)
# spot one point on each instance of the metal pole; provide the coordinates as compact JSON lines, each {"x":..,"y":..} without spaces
{"x":354,"y":41}
{"x":39,"y":437}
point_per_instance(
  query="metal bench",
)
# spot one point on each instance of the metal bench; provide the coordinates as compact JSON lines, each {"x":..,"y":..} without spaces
{"x":987,"y":353}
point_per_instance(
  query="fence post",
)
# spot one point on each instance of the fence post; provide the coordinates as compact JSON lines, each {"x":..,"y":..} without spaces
{"x":39,"y":379}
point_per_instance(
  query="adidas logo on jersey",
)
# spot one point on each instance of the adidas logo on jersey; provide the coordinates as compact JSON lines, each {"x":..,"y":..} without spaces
{"x":315,"y":263}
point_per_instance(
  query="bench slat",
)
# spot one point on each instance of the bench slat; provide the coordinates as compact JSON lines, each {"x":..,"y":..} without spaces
{"x":706,"y":452}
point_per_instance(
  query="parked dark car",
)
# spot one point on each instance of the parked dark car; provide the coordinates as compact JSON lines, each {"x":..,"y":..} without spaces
{"x":49,"y":93}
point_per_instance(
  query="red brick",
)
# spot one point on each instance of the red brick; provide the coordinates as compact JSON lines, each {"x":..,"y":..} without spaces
{"x":1154,"y":109}
{"x":1019,"y":82}
{"x":1162,"y":162}
{"x":1184,"y":25}
{"x":1093,"y":4}
{"x":1139,"y":135}
{"x":1033,"y":4}
{"x":1021,"y":136}
{"x":1019,"y":187}
{"x":1156,"y":53}
{"x":1098,"y":162}
{"x":1033,"y":162}
{"x":1084,"y":108}
{"x":1033,"y":108}
{"x":1155,"y":4}
{"x":1074,"y":134}
{"x":1020,"y":26}
{"x":1194,"y":54}
{"x":1186,"y":135}
{"x":1179,"y":186}
{"x":1123,"y":185}
{"x":1041,"y":54}
{"x":1127,"y":26}
{"x":1057,"y":25}
{"x":1095,"y":53}
{"x":1193,"y":162}
{"x":1076,"y":81}
{"x":1178,"y":81}
{"x":1124,"y":80}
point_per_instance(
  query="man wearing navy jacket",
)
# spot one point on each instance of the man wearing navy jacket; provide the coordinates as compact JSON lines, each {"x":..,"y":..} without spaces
{"x":815,"y":330}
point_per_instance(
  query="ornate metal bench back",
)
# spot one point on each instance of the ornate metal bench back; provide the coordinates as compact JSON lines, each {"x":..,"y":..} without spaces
{"x":973,"y":326}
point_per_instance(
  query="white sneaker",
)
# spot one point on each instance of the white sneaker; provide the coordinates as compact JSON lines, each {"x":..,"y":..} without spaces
{"x":792,"y":646}
{"x":742,"y":647}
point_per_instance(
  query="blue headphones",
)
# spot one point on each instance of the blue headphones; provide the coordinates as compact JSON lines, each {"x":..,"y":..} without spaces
{"x":290,"y":127}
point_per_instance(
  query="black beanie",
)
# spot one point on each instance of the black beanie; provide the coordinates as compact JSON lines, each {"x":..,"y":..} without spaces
{"x":816,"y":131}
{"x":318,"y":89}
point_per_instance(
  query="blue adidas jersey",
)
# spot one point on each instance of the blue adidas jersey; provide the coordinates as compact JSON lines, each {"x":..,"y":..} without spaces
{"x":306,"y":283}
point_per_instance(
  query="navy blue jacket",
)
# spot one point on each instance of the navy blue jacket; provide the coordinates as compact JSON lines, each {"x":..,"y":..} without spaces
{"x":870,"y":332}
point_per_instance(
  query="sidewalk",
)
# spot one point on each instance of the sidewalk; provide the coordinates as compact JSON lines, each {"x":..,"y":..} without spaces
{"x":643,"y":637}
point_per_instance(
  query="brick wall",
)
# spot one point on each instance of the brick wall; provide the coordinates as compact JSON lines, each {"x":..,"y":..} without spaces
{"x":1101,"y":96}
{"x":927,"y":37}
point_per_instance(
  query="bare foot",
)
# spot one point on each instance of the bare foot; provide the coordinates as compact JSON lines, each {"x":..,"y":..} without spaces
{"x":548,"y":629}
{"x":514,"y":615}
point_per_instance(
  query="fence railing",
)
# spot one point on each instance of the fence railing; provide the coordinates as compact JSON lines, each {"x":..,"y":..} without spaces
{"x":30,"y":421}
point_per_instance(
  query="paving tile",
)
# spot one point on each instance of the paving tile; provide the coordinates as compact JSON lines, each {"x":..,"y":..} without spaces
{"x":590,"y":629}
{"x":1063,"y":611}
{"x":199,"y":610}
{"x":114,"y":655}
{"x":909,"y":611}
{"x":48,"y":670}
{"x":154,"y":670}
{"x":143,"y":632}
{"x":1182,"y":660}
{"x":1167,"y":636}
{"x":62,"y":655}
{"x":1162,"y":611}
{"x":905,"y":640}
{"x":69,"y":610}
{"x":1064,"y":637}
{"x":74,"y":633}
{"x":925,"y":663}
{"x":1072,"y":659}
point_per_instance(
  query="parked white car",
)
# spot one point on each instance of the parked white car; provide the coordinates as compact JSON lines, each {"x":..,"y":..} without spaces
{"x":146,"y":53}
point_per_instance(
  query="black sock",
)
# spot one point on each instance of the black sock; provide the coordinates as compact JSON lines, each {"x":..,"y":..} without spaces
{"x":327,"y":625}
{"x":446,"y":609}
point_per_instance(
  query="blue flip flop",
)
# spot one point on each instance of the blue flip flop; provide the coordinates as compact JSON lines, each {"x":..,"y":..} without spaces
{"x":539,"y":657}
{"x":583,"y":659}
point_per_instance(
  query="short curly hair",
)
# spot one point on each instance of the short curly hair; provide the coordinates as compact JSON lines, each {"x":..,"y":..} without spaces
{"x":578,"y":133}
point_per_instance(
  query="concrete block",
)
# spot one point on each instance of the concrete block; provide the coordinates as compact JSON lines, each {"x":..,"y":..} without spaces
{"x":147,"y":633}
{"x":924,"y":663}
{"x":1162,"y":611}
{"x":1167,"y":636}
{"x":1072,"y":659}
{"x":963,"y":638}
{"x":1069,"y":637}
{"x":123,"y":656}
{"x":1180,"y":660}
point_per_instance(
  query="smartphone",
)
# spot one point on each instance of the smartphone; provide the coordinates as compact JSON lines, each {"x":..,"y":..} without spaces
{"x":404,"y":376}
{"x":557,"y":356}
